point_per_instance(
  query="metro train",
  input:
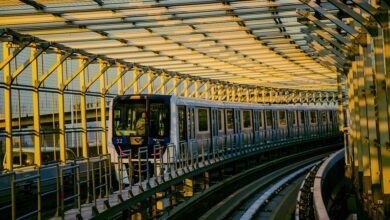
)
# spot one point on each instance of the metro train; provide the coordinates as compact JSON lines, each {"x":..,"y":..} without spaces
{"x":149,"y":120}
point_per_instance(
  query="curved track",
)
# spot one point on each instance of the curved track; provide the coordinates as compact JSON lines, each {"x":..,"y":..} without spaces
{"x":233,"y":202}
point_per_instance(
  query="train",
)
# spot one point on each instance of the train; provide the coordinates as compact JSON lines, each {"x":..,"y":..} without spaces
{"x":140,"y":120}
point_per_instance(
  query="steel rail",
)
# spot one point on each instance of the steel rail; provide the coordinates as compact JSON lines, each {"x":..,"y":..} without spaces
{"x":198,"y":200}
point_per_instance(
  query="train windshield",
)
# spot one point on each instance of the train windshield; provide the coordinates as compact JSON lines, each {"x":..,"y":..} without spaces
{"x":135,"y":117}
{"x":130,"y":118}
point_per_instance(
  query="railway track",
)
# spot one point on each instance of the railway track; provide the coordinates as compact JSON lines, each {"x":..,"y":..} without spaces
{"x":271,"y":195}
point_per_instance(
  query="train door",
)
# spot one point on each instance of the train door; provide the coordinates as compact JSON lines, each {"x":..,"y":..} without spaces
{"x":237,"y":126}
{"x":214,"y":127}
{"x":256,"y":126}
{"x":268,"y":124}
{"x":191,"y":127}
{"x":275,"y":124}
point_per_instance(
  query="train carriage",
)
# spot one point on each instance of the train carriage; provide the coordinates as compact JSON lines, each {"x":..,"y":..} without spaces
{"x":198,"y":126}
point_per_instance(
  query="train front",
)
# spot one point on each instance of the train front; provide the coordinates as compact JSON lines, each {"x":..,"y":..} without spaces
{"x":140,"y":120}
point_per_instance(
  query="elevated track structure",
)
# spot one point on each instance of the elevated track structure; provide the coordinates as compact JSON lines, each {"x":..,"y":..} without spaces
{"x":61,"y":64}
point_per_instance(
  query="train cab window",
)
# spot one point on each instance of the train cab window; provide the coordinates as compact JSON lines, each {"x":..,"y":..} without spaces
{"x":181,"y":122}
{"x":324,"y":117}
{"x":220,"y":120}
{"x":127,"y":116}
{"x":117,"y":118}
{"x":247,"y":119}
{"x":260,"y":118}
{"x":268,"y":115}
{"x":203,"y":120}
{"x":302,"y":117}
{"x":282,"y":118}
{"x":313,"y":117}
{"x":229,"y":119}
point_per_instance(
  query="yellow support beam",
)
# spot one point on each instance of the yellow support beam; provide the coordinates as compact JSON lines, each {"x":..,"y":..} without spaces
{"x":118,"y":79}
{"x":164,"y":80}
{"x":382,"y":112}
{"x":136,"y":76}
{"x":61,"y":110}
{"x":7,"y":106}
{"x":36,"y":114}
{"x":103,"y":108}
{"x":83,"y":109}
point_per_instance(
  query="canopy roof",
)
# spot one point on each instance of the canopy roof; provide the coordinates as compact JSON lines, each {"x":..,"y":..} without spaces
{"x":256,"y":42}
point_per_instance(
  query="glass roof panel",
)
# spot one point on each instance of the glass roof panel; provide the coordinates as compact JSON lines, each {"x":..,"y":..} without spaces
{"x":251,"y":41}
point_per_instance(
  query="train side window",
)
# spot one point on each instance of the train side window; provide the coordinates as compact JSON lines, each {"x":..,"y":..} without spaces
{"x":294,"y":118}
{"x":229,"y":119}
{"x":203,"y":120}
{"x":181,"y":114}
{"x":260,"y":117}
{"x":313,"y":117}
{"x":282,"y":118}
{"x":302,"y":117}
{"x":220,"y":120}
{"x":268,"y":115}
{"x":247,"y":119}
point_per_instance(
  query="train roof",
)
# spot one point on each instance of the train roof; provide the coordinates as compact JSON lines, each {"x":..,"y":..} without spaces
{"x":220,"y":104}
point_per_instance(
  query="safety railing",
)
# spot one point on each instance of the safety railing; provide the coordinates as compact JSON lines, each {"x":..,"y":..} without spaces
{"x":100,"y":169}
{"x":142,"y":167}
{"x":69,"y":173}
{"x":125,"y":173}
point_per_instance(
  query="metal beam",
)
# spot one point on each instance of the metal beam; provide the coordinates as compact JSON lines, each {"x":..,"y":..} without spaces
{"x":83,"y":65}
{"x":331,"y":17}
{"x":36,"y":112}
{"x":32,"y":59}
{"x":56,"y":66}
{"x":7,"y":107}
{"x":103,"y":68}
{"x":61,"y":107}
{"x":121,"y":72}
{"x":7,"y":59}
{"x":134,"y":82}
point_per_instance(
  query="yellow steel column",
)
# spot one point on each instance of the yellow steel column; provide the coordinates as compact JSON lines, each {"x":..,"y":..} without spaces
{"x":371,"y":118}
{"x":234,"y":93}
{"x":212,"y":91}
{"x":227,"y":92}
{"x":36,"y":115}
{"x":382,"y":112}
{"x":206,"y":89}
{"x":135,"y":74}
{"x":186,"y":87}
{"x":256,"y":93}
{"x":84,"y":140}
{"x":248,"y":98}
{"x":163,"y":76}
{"x":196,"y":89}
{"x":7,"y":107}
{"x":351,"y":123}
{"x":365,"y":147}
{"x":357,"y":130}
{"x":61,"y":112}
{"x":384,"y":150}
{"x":120,"y":80}
{"x":150,"y":78}
{"x":103,"y":109}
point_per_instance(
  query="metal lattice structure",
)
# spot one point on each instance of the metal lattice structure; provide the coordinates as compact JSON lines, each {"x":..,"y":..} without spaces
{"x":62,"y":62}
